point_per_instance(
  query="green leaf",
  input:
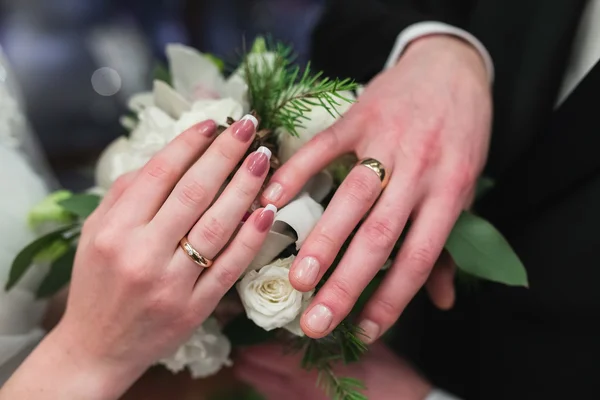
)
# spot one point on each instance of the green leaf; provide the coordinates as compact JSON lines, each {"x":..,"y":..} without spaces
{"x":49,"y":210}
{"x":82,"y":205}
{"x":52,"y":252}
{"x":25,"y":258}
{"x":243,"y":332}
{"x":59,"y":275}
{"x":480,"y":250}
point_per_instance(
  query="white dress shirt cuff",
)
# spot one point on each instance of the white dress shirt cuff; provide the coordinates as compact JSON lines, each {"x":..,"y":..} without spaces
{"x":437,"y":394}
{"x":421,"y":29}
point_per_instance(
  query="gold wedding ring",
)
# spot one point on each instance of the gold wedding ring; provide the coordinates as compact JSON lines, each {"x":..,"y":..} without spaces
{"x":193,"y":253}
{"x":378,"y":168}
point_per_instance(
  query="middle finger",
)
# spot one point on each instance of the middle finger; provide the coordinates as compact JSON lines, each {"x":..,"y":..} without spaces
{"x":201,"y":183}
{"x":370,"y":248}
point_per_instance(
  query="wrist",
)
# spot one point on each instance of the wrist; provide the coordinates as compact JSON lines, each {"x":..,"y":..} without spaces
{"x":449,"y":48}
{"x":89,"y":375}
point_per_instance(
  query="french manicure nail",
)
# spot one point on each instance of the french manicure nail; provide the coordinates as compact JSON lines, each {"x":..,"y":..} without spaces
{"x":307,"y":271}
{"x":273,"y":192}
{"x":319,"y":319}
{"x":266,"y":218}
{"x":245,"y":128}
{"x":370,"y":331}
{"x":258,"y":162}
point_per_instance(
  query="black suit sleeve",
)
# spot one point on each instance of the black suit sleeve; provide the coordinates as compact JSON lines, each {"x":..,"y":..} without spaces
{"x":355,"y":37}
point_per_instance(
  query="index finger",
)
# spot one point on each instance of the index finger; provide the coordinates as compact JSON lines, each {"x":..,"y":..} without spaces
{"x":155,"y":181}
{"x":311,"y":159}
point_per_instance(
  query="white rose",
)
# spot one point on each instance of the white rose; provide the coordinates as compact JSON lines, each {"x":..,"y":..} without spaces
{"x":294,"y":326}
{"x":269,"y":298}
{"x":204,"y":354}
{"x":319,"y":119}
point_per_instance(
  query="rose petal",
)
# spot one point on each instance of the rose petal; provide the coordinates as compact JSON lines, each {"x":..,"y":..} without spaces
{"x":217,"y":110}
{"x":236,"y":88}
{"x":195,"y":76}
{"x":140,"y":101}
{"x":168,"y":100}
{"x":109,"y":168}
{"x":294,"y":326}
{"x":268,"y":297}
{"x":204,"y":354}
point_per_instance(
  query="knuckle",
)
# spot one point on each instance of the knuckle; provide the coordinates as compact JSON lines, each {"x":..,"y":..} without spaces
{"x":135,"y":274}
{"x":462,"y":178}
{"x":227,"y":276}
{"x":249,"y":248}
{"x":214,"y":232}
{"x":387,"y":309}
{"x":244,"y":191}
{"x":106,"y":242}
{"x":363,"y":187}
{"x":342,"y":293}
{"x":162,"y":305}
{"x":158,"y":169}
{"x":381,"y":234}
{"x":328,"y":139}
{"x":192,"y":195}
{"x":326,"y":241}
{"x":420,"y":261}
{"x":226,"y":153}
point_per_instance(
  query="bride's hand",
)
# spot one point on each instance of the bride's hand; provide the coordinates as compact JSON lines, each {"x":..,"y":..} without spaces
{"x":136,"y":295}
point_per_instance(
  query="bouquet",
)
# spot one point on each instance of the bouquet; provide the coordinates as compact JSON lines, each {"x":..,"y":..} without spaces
{"x":292,"y":104}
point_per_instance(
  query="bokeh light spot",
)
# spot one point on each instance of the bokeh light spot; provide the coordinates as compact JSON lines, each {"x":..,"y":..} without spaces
{"x":106,"y":81}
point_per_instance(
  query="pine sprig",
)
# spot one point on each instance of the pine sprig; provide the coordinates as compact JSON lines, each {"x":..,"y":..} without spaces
{"x":282,"y":93}
{"x":343,"y":345}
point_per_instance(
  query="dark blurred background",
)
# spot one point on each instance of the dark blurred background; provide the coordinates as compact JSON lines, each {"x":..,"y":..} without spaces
{"x":78,"y":61}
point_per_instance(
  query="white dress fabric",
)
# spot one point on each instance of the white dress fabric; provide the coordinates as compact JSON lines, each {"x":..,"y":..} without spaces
{"x":21,"y":187}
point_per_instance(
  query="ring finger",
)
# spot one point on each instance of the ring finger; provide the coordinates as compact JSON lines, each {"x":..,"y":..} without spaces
{"x":215,"y":228}
{"x":218,"y":225}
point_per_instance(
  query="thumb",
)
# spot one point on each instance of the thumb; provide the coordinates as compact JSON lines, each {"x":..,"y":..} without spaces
{"x":311,"y":159}
{"x":440,"y":285}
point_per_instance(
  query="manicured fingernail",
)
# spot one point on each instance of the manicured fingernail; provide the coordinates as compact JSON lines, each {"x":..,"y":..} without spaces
{"x":266,"y":218}
{"x":245,"y":128}
{"x":207,"y":128}
{"x":258,"y":162}
{"x":370,"y":331}
{"x":319,"y":319}
{"x":273,"y":192}
{"x":307,"y":271}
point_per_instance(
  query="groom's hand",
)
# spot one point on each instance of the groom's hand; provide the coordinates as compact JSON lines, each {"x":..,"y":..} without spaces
{"x":427,"y":120}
